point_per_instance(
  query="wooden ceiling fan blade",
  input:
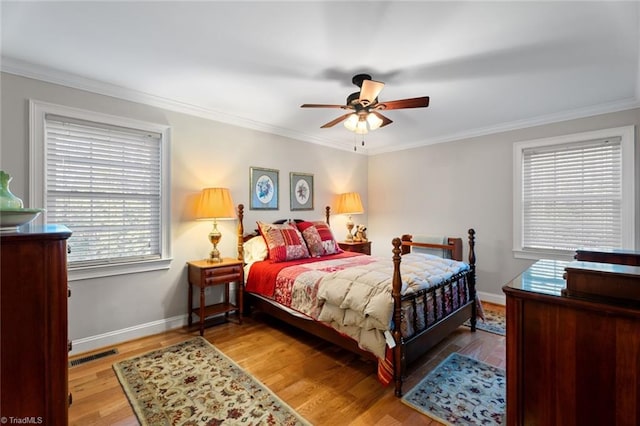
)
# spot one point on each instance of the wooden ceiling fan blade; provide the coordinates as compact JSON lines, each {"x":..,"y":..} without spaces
{"x":322,"y":106}
{"x":370,"y":91}
{"x":336,"y":121}
{"x":384,"y":119}
{"x":404,"y":103}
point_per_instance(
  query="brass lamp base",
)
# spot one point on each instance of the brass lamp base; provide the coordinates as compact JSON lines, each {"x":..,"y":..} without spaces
{"x":214,"y":256}
{"x":215,"y":236}
{"x":349,"y":229}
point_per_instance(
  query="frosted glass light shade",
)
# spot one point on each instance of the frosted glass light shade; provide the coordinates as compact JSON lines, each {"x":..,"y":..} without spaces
{"x":361,"y":124}
{"x":373,"y":121}
{"x":351,"y":122}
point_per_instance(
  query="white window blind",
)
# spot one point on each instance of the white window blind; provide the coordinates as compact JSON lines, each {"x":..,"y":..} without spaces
{"x":104,"y":182}
{"x":572,"y":195}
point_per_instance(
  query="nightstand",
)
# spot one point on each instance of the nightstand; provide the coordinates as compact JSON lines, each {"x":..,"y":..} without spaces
{"x":363,"y":247}
{"x":203,"y":274}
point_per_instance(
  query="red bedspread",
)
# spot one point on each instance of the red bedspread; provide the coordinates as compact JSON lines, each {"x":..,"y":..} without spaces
{"x":262,"y":275}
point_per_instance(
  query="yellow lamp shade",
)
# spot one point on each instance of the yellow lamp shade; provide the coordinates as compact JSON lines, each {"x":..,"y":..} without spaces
{"x":215,"y":203}
{"x":349,"y":203}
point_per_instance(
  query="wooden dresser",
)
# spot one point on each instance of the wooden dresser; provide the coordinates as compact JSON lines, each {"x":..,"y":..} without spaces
{"x":618,"y":257}
{"x":33,"y":318}
{"x":570,"y":360}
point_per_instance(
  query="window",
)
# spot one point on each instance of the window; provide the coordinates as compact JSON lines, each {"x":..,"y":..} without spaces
{"x":106,"y":178}
{"x":574,"y":192}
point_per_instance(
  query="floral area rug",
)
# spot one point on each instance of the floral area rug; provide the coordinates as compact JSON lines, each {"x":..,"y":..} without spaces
{"x":494,"y":322}
{"x":461,"y":391}
{"x":193,"y":383}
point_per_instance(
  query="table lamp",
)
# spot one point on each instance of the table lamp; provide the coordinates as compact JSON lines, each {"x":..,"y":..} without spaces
{"x":214,"y":204}
{"x":349,"y":203}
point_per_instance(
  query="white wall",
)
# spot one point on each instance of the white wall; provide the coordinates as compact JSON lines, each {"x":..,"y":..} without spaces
{"x":441,"y":189}
{"x":204,"y":153}
{"x":445,"y":189}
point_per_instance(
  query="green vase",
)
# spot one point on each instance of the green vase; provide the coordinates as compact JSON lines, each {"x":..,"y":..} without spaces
{"x":7,"y":199}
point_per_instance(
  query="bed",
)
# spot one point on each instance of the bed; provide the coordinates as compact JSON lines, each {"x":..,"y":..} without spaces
{"x":358,"y":302}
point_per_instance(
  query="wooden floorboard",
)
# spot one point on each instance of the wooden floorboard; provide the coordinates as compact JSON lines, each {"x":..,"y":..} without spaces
{"x":325,"y":384}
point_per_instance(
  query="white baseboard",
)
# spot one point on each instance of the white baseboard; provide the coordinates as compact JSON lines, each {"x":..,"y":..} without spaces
{"x":498,"y":299}
{"x":112,"y":338}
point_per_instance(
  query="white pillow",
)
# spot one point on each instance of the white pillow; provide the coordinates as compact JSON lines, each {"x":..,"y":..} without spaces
{"x":255,"y":249}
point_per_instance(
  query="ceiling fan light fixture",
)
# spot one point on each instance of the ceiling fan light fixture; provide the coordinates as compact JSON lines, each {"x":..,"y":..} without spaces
{"x":365,"y":107}
{"x":357,"y":124}
{"x":361,"y":124}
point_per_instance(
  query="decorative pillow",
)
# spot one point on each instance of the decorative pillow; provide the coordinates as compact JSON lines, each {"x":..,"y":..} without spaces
{"x":319,"y":238}
{"x":255,"y":250}
{"x":284,"y":242}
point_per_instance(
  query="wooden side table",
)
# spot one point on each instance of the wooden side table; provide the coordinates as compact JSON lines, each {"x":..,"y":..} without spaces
{"x":203,"y":274}
{"x":363,"y":247}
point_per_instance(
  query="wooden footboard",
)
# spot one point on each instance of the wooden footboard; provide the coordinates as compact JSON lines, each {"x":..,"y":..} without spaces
{"x":408,"y":349}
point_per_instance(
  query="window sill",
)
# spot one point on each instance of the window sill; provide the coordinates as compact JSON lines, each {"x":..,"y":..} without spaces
{"x":89,"y":272}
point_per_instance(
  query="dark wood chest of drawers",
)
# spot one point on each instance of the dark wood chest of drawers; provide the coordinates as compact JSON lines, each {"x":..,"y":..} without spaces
{"x":33,"y":318}
{"x":573,"y":358}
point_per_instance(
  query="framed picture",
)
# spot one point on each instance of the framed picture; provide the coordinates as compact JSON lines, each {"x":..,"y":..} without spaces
{"x":301,"y":191}
{"x":263,"y":189}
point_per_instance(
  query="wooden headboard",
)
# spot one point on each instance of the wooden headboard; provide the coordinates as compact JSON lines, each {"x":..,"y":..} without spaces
{"x":242,"y":238}
{"x":454,"y":245}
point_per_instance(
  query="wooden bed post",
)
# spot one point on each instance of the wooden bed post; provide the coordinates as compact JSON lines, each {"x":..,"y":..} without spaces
{"x":240,"y":232}
{"x":396,"y":294}
{"x":472,"y":278}
{"x":327,"y":214}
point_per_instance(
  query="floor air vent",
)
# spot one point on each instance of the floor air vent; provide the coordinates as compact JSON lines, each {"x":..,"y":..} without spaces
{"x":88,"y":358}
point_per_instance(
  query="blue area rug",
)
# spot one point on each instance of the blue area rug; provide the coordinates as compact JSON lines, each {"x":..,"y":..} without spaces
{"x":461,"y":391}
{"x":493,"y":322}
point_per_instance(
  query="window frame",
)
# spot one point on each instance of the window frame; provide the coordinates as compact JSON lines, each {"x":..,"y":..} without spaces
{"x":627,"y":145}
{"x":37,"y":183}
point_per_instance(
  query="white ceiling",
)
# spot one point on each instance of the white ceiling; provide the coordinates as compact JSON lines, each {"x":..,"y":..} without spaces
{"x":487,"y":66}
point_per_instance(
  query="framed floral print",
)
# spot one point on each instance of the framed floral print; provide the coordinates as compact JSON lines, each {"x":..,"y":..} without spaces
{"x":263,"y":189}
{"x":301,"y":191}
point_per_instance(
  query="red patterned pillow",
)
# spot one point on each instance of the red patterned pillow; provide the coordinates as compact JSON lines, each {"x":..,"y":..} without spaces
{"x":283,"y":241}
{"x":319,"y":238}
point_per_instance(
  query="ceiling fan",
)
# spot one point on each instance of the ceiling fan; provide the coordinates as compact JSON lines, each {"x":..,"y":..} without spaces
{"x":364,"y":106}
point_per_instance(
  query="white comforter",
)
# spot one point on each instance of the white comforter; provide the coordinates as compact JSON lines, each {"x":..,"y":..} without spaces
{"x":357,"y":300}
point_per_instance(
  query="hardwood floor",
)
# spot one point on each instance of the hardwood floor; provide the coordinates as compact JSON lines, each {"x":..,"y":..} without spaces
{"x":325,"y":384}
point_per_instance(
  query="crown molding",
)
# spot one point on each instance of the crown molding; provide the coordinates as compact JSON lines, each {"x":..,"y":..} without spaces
{"x":51,"y":75}
{"x":605,"y":108}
